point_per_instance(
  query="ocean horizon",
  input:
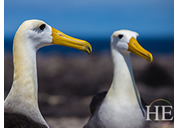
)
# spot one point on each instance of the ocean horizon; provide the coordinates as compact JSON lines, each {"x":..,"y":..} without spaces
{"x":160,"y":45}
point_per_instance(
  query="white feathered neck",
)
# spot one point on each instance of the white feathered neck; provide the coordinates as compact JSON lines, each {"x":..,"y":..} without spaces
{"x":123,"y":87}
{"x":23,"y":96}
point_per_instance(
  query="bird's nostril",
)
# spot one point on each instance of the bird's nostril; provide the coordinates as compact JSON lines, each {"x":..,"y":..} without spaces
{"x":60,"y":34}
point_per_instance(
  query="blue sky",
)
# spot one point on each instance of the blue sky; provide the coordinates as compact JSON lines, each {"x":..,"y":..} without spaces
{"x":94,"y":18}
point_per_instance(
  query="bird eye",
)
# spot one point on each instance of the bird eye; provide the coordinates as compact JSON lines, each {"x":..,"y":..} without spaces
{"x":120,"y":36}
{"x":42,"y":26}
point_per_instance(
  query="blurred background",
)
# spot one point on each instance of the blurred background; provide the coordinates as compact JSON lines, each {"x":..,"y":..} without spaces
{"x":68,"y":78}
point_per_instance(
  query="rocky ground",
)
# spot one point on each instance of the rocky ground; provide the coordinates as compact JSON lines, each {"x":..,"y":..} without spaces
{"x":68,"y":82}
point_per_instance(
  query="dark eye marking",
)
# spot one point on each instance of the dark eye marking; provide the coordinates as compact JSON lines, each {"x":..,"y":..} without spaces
{"x":120,"y":36}
{"x":42,"y":27}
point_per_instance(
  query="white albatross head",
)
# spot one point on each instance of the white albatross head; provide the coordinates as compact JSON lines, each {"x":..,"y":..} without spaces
{"x":125,"y":42}
{"x":36,"y":34}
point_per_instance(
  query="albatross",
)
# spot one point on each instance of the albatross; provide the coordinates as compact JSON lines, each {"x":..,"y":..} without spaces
{"x":121,"y":106}
{"x":21,"y":105}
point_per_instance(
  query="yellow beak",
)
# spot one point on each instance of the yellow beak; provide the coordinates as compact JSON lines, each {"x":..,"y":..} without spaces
{"x":136,"y":48}
{"x":60,"y":38}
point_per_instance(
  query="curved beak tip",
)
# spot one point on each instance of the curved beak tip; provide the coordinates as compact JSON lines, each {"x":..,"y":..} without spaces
{"x":150,"y":58}
{"x":88,"y":49}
